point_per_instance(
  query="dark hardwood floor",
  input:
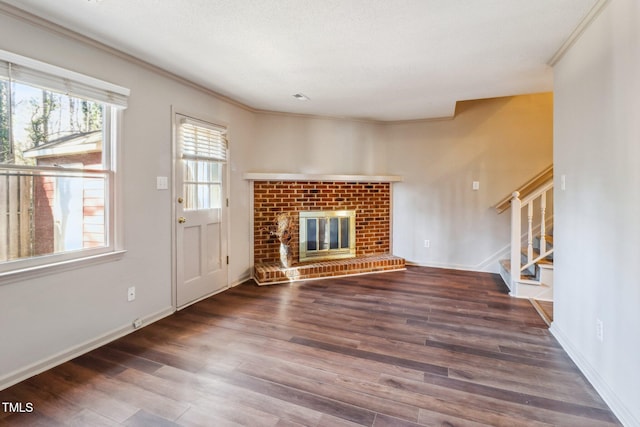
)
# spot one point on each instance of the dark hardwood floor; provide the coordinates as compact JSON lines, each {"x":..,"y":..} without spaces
{"x":417,"y":347}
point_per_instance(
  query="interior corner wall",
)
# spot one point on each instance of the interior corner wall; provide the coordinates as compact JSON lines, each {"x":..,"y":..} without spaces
{"x":597,"y":230}
{"x":500,"y":142}
{"x":45,"y":319}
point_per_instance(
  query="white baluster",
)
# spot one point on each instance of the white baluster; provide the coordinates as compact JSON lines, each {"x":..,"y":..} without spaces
{"x":543,"y":220}
{"x":530,"y":233}
{"x":516,"y":211}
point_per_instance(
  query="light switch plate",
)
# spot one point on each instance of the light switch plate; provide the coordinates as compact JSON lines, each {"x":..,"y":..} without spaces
{"x":475,"y":185}
{"x":162,"y":183}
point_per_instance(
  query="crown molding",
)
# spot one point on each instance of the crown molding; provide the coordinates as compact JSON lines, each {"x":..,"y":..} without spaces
{"x":354,"y":119}
{"x":57,"y":29}
{"x":577,"y":32}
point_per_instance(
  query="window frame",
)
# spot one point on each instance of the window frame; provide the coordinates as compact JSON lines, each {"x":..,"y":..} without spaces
{"x":114,"y":99}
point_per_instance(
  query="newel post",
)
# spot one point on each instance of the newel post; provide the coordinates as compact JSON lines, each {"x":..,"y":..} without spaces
{"x":516,"y":207}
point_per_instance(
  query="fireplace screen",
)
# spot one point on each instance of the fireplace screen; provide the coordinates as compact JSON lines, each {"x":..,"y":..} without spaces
{"x":327,"y":235}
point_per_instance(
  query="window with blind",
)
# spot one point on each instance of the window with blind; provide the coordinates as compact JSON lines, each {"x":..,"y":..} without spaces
{"x":57,"y":137}
{"x":203,"y":149}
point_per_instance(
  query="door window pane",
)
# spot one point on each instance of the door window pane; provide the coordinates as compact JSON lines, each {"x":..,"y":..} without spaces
{"x":202,"y":184}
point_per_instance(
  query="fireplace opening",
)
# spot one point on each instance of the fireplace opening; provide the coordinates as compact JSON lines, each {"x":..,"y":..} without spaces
{"x":326,"y":235}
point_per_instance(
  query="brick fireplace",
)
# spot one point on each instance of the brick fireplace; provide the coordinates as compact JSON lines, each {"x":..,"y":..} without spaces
{"x":369,"y":198}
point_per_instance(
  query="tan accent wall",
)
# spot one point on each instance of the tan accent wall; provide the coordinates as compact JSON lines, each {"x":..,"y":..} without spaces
{"x":500,"y":142}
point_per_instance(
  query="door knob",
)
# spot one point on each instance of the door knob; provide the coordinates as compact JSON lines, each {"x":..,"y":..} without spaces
{"x":180,"y":200}
{"x":182,"y":220}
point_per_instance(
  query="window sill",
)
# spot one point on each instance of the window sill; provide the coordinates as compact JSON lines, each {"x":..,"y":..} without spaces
{"x":45,"y":270}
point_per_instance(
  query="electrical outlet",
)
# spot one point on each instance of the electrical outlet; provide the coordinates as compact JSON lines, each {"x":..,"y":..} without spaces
{"x":131,"y":293}
{"x":137,"y":323}
{"x":475,"y":185}
{"x":427,"y":243}
{"x":599,"y":330}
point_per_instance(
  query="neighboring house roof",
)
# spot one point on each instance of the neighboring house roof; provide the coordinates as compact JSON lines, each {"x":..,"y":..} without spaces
{"x":77,"y":143}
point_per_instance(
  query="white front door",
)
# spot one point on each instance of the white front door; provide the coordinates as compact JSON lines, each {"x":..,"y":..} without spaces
{"x":201,"y":238}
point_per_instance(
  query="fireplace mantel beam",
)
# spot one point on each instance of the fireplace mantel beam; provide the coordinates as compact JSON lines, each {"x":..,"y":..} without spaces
{"x":268,"y":176}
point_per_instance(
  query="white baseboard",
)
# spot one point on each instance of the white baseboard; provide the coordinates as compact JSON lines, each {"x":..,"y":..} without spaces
{"x":608,"y":395}
{"x":475,"y":268}
{"x":240,"y":281}
{"x":73,"y":352}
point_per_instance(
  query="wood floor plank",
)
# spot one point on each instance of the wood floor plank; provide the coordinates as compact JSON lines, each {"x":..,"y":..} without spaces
{"x":336,"y":363}
{"x":50,"y":405}
{"x":409,"y":348}
{"x":302,"y":398}
{"x":87,"y":417}
{"x":226,"y":414}
{"x":213,"y":387}
{"x":292,"y":376}
{"x":63,"y":382}
{"x":370,"y":355}
{"x":480,"y":408}
{"x":145,"y":419}
{"x":522,"y":398}
{"x":542,"y":385}
{"x":434,"y":404}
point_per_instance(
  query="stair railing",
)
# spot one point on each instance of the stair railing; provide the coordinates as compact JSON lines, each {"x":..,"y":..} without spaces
{"x":527,"y":188}
{"x":517,"y":205}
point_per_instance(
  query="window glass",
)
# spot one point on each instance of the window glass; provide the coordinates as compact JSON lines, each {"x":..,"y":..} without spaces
{"x":5,"y":143}
{"x":54,"y":176}
{"x":50,"y":129}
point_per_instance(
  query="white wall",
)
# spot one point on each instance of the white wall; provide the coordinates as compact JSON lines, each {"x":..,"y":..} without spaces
{"x":317,"y":146}
{"x":502,"y":143}
{"x":44,"y":319}
{"x":597,"y":148}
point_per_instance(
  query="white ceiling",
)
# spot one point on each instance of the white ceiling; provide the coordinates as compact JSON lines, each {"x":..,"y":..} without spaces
{"x":371,"y":59}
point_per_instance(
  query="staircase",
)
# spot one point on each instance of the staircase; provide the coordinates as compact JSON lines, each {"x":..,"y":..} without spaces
{"x":536,"y":281}
{"x":531,"y":240}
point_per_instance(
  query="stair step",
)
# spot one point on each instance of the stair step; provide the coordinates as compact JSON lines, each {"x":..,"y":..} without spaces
{"x":545,"y":261}
{"x":537,"y":241}
{"x":526,"y":278}
{"x":529,"y":280}
{"x":536,"y":253}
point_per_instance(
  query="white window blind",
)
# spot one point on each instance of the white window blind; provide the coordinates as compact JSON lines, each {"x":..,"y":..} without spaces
{"x":202,"y":141}
{"x":46,"y":76}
